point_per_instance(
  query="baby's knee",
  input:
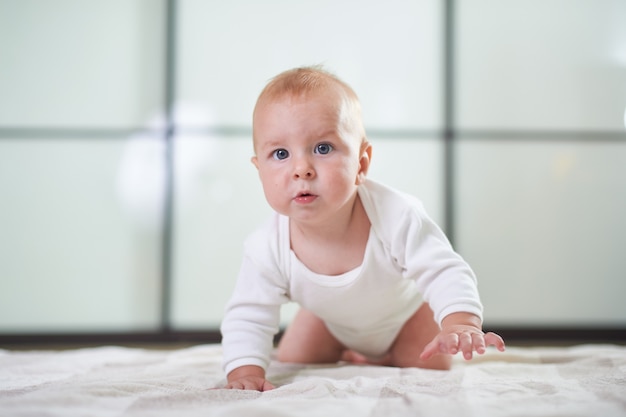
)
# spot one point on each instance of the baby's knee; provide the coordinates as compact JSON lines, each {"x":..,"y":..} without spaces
{"x":289,"y":353}
{"x":285,"y":355}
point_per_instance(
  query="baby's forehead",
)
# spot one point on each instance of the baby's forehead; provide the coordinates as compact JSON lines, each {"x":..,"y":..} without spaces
{"x":330,"y":97}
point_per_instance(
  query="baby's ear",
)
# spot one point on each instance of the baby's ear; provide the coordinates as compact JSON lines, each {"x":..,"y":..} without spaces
{"x":364,"y":161}
{"x":255,"y":161}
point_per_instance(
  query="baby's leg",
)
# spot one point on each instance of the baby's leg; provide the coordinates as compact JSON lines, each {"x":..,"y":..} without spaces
{"x":416,"y":333}
{"x":307,"y":340}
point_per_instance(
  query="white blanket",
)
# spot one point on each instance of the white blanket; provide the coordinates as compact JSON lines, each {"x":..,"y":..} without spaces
{"x":585,"y":380}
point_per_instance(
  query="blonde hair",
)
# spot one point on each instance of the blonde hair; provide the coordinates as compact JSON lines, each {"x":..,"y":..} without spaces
{"x":311,"y":80}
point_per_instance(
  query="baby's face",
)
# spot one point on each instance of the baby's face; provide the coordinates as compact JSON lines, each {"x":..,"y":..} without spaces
{"x":309,"y":166}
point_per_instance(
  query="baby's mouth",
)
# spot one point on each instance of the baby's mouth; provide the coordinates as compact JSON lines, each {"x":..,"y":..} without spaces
{"x":305,"y":197}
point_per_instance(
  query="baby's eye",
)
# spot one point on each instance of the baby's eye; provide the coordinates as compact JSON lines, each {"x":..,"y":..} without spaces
{"x":280,"y":154}
{"x":323,"y":148}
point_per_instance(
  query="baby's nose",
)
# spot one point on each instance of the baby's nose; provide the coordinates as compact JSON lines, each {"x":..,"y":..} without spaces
{"x":303,"y":169}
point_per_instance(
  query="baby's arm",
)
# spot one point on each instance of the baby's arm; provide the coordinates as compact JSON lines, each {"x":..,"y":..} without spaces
{"x":461,"y":332}
{"x":248,"y":377}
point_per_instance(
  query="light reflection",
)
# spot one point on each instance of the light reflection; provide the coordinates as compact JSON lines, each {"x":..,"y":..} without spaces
{"x":141,"y":176}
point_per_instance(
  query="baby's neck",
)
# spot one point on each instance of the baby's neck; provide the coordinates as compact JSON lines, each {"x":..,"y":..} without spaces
{"x":335,"y":248}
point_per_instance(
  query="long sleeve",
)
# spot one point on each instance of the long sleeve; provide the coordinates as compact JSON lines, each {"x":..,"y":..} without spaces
{"x":446,"y":281}
{"x":252,"y":315}
{"x":421,"y":251}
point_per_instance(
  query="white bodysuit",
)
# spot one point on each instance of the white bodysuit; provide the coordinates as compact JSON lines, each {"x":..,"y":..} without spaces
{"x":407,"y":260}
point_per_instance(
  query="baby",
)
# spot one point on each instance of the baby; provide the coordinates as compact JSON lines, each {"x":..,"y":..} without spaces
{"x":377,"y":281}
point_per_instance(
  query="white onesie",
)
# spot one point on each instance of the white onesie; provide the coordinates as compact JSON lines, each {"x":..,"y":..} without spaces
{"x":407,"y":260}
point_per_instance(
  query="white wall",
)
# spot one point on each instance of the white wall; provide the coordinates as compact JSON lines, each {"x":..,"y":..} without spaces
{"x":539,"y":218}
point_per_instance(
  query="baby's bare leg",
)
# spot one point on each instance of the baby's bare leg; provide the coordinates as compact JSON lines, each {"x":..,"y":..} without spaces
{"x":307,"y":340}
{"x":416,"y":333}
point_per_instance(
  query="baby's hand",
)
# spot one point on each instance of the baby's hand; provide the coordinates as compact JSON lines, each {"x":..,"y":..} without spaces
{"x":461,"y":333}
{"x":248,"y":378}
{"x":250,"y":383}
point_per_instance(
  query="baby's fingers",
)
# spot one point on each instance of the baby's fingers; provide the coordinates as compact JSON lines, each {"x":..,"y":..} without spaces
{"x":430,"y":350}
{"x":466,"y":342}
{"x":478,"y":341}
{"x":255,"y":384}
{"x":492,"y":339}
{"x":448,"y":343}
{"x":467,"y":345}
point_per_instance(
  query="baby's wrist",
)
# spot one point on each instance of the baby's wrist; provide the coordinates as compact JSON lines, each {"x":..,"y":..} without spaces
{"x":461,"y":319}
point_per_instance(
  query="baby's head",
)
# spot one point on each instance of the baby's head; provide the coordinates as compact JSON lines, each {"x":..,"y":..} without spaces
{"x":311,"y":81}
{"x":309,"y":144}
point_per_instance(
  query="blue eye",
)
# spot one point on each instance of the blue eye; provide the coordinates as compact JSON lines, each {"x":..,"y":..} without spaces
{"x":323,"y":148}
{"x":280,"y":154}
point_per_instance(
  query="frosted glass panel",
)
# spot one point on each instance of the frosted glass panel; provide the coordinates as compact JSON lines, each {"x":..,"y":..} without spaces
{"x":389,"y":52}
{"x":73,"y":256}
{"x":537,"y":64}
{"x":219,"y":201}
{"x":544,"y":227}
{"x":80,"y":64}
{"x":412,"y":165}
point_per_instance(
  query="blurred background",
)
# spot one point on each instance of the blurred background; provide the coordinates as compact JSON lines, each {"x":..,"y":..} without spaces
{"x":126,"y":187}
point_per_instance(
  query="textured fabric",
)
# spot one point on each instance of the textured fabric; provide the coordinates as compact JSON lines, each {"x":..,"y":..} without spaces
{"x":407,"y":260}
{"x":587,"y":380}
